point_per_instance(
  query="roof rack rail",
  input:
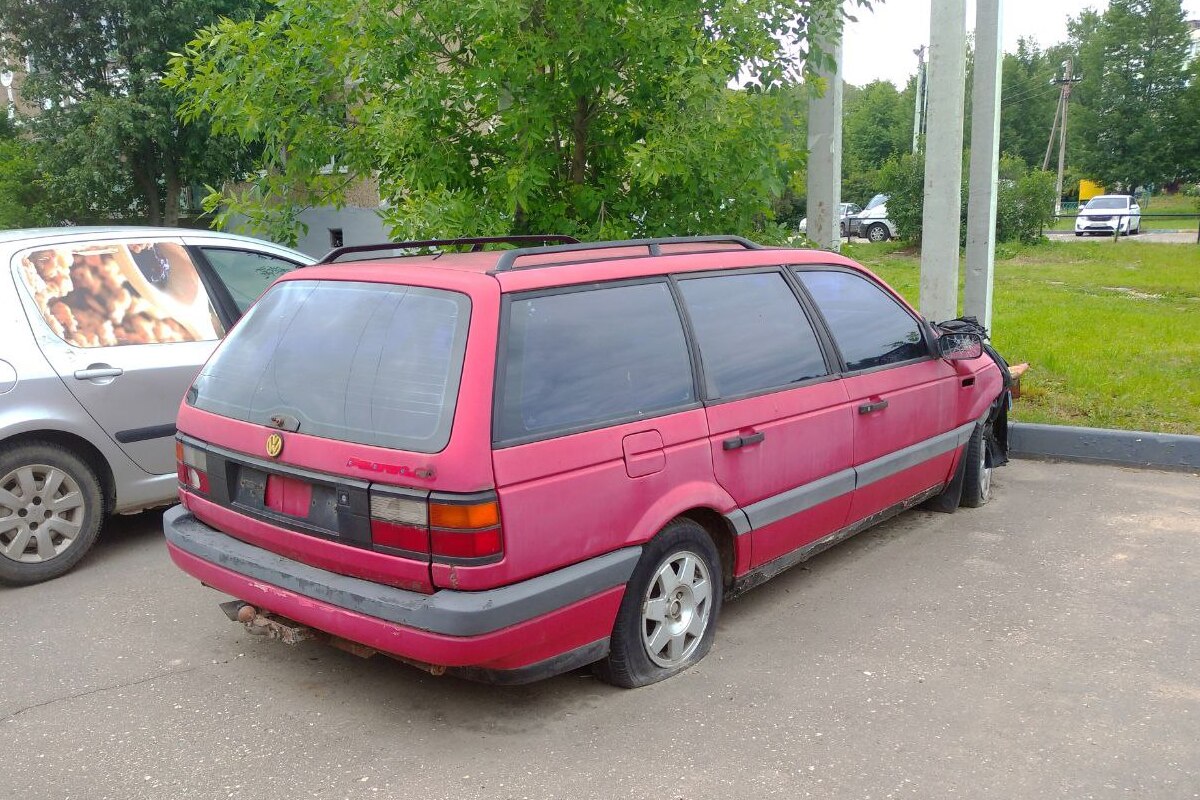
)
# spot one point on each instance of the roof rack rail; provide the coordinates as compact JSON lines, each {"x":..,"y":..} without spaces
{"x":508,"y":258}
{"x":476,"y":243}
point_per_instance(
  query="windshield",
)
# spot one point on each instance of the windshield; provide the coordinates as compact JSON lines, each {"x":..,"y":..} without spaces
{"x":1108,"y":202}
{"x":371,"y":363}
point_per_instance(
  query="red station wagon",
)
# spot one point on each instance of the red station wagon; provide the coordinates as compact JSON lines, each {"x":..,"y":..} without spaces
{"x":508,"y":464}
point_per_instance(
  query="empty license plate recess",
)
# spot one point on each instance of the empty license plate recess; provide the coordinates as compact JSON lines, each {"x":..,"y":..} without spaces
{"x":312,"y":503}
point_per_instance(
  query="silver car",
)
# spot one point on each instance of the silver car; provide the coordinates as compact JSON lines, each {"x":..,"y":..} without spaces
{"x":101,"y":332}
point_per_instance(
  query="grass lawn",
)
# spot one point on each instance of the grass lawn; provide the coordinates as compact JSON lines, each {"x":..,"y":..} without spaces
{"x":1111,"y":330}
{"x":1159,"y":204}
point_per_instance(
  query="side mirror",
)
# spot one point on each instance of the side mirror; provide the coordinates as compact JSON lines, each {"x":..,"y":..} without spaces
{"x":960,"y":346}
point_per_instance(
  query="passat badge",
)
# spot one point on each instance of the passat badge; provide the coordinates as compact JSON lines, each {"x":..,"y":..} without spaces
{"x":274,"y":445}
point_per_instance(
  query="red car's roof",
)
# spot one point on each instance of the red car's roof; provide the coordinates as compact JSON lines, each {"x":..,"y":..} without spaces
{"x":459,"y":270}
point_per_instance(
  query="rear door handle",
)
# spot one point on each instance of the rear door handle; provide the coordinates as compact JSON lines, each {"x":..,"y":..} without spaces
{"x":92,"y":373}
{"x":878,"y":405}
{"x":741,"y":441}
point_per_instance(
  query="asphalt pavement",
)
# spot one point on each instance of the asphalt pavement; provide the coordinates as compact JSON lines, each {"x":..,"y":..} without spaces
{"x":1044,"y":646}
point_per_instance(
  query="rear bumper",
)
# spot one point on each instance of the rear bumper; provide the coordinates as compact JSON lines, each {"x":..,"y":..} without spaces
{"x":539,"y":626}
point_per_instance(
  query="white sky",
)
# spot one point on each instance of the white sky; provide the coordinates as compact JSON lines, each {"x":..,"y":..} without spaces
{"x":880,"y":45}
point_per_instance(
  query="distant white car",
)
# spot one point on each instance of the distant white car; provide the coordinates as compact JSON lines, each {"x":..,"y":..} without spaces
{"x":847,"y":210}
{"x":873,"y":223}
{"x":1108,"y":214}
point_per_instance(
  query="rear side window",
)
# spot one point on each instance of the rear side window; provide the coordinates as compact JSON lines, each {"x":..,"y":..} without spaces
{"x":371,"y":363}
{"x":583,"y":359}
{"x":752,"y":332}
{"x":870,"y":327}
{"x":108,"y":294}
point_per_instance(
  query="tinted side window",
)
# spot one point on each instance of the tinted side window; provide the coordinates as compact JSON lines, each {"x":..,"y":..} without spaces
{"x":870,"y":328}
{"x":245,"y":273}
{"x":105,"y":294}
{"x":581,"y":359}
{"x":752,"y":332}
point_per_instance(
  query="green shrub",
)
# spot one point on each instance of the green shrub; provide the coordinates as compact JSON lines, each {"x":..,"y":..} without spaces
{"x":902,"y":178}
{"x":1024,"y":199}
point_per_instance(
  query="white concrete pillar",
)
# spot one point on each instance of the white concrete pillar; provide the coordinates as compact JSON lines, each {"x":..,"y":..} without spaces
{"x":825,"y":154}
{"x":943,"y":159}
{"x":985,"y":160}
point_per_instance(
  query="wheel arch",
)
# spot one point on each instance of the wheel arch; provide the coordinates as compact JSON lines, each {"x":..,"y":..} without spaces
{"x":81,"y":447}
{"x":723,"y":536}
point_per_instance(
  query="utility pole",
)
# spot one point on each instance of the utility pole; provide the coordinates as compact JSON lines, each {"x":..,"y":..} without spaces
{"x":985,"y":157}
{"x":919,"y":104}
{"x":1068,"y":79}
{"x":825,"y":146}
{"x":942,"y":215}
{"x":1053,"y":130}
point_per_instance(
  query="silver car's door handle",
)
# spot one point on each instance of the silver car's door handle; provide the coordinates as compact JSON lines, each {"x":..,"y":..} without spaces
{"x":92,"y":373}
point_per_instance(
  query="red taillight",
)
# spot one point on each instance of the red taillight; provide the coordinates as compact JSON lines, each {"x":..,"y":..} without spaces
{"x":465,"y":530}
{"x":441,"y":528}
{"x":400,"y":522}
{"x":191,"y":467}
{"x":467,"y":544}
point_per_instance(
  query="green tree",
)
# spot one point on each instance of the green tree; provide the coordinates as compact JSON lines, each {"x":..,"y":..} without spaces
{"x":110,"y":140}
{"x":588,"y":117}
{"x":1127,"y":128}
{"x":876,"y":126}
{"x":23,"y":199}
{"x":1029,"y":99}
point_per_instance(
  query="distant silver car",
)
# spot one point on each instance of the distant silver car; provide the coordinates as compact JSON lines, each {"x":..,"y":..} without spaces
{"x":102,"y":330}
{"x":872,"y":223}
{"x":845,"y":212}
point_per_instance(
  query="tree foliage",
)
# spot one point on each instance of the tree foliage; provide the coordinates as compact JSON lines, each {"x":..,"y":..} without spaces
{"x":1024,"y":198}
{"x":23,"y":198}
{"x":590,"y":117}
{"x":1129,"y":127}
{"x":876,"y":127}
{"x":110,"y":141}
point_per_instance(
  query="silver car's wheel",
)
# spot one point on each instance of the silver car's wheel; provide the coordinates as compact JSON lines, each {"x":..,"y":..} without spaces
{"x":676,"y":609}
{"x":877,"y":233}
{"x":51,"y":507}
{"x":41,"y":513}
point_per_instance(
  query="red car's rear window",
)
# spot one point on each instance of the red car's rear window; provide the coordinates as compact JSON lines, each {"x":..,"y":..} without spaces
{"x":371,"y":363}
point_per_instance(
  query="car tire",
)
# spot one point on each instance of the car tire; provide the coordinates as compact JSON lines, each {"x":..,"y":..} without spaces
{"x":977,"y":475}
{"x":668,"y":616}
{"x":842,"y":230}
{"x":877,"y":232}
{"x":51,"y":509}
{"x":1077,"y":233}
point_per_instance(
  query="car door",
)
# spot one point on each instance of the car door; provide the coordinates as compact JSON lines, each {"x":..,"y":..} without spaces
{"x":904,"y":398}
{"x":126,"y":323}
{"x":241,"y":271}
{"x":597,"y":424}
{"x":780,"y":425}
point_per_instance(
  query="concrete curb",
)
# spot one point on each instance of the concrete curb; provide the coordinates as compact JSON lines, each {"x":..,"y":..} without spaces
{"x":1100,"y":445}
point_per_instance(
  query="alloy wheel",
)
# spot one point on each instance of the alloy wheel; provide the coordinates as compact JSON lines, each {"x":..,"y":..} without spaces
{"x":985,"y":475}
{"x":677,"y":609}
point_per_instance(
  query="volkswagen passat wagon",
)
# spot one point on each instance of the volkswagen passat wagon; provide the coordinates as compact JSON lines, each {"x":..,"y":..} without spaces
{"x":510,"y":464}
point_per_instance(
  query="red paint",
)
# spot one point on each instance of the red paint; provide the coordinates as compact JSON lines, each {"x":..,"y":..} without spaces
{"x":572,"y":626}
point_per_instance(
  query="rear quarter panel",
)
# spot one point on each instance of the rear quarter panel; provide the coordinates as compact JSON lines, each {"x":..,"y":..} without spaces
{"x":570,"y":498}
